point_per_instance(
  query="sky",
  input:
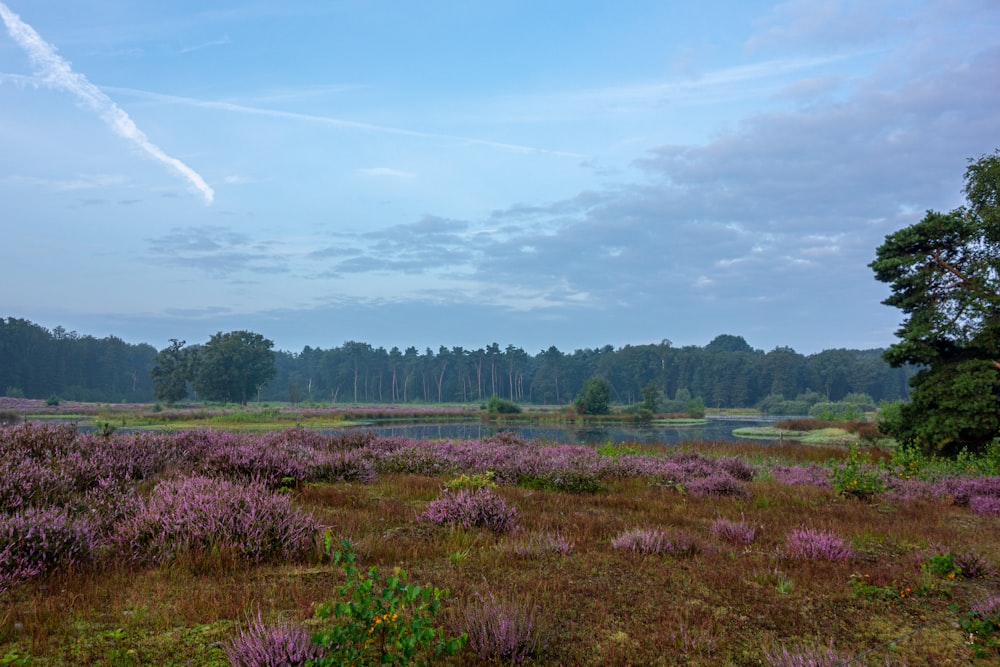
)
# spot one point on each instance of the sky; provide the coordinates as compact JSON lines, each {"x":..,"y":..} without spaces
{"x":571,"y":173}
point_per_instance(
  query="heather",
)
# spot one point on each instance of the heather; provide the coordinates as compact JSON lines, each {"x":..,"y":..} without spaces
{"x":210,"y":548}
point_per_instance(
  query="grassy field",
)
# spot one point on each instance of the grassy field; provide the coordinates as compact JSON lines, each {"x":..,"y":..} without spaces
{"x":709,"y":554}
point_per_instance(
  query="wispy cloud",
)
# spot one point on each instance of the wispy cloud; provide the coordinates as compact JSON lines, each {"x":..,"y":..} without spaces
{"x":57,"y":73}
{"x":207,"y":45}
{"x":343,"y":123}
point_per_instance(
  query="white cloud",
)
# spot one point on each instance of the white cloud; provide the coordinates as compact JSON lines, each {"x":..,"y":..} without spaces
{"x":57,"y":73}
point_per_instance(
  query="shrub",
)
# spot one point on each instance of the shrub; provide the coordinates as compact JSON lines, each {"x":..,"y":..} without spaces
{"x":501,"y":627}
{"x":540,"y":544}
{"x":719,"y":483}
{"x":474,"y":481}
{"x":734,"y":532}
{"x":195,"y":514}
{"x":985,"y":505}
{"x":472,"y":508}
{"x":38,"y":541}
{"x":812,"y":544}
{"x":857,"y":477}
{"x":501,"y":406}
{"x":263,"y":645}
{"x":52,"y":401}
{"x":805,"y":657}
{"x":381,"y":622}
{"x":650,"y":541}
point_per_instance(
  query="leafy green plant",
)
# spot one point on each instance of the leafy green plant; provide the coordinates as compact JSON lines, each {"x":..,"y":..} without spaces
{"x":473,"y":481}
{"x":863,"y":588}
{"x":381,"y":621}
{"x":856,"y":476}
{"x":942,"y":565}
{"x":613,"y":451}
{"x":502,"y":406}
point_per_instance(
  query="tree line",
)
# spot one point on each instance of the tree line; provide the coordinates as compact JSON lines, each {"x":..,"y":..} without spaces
{"x":38,"y":363}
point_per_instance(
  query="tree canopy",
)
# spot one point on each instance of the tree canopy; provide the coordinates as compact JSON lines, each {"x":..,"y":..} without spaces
{"x":234,"y":366}
{"x":944,"y":272}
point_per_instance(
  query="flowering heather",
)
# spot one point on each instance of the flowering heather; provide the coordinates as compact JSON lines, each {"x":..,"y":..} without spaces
{"x":39,"y":541}
{"x":988,"y":609}
{"x":650,"y":541}
{"x":734,"y":532}
{"x":964,"y":489}
{"x":261,"y":645}
{"x":805,"y":657}
{"x":812,"y":544}
{"x":204,"y":514}
{"x":985,"y":505}
{"x":540,"y":544}
{"x":973,"y":565}
{"x":810,"y":475}
{"x":501,"y":627}
{"x":472,"y":508}
{"x":719,"y":483}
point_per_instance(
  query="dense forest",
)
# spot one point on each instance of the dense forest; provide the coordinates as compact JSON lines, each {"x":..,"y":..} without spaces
{"x":38,"y":363}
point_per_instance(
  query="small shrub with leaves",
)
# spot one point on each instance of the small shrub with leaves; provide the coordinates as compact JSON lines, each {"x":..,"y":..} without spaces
{"x":381,"y":621}
{"x":473,"y":481}
{"x":38,"y":541}
{"x":857,"y":477}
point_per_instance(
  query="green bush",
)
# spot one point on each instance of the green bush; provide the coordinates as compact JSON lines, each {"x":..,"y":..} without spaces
{"x":502,"y":406}
{"x":381,"y":621}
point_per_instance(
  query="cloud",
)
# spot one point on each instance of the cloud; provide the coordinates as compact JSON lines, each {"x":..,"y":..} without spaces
{"x":206,"y":45}
{"x":57,"y":73}
{"x":346,"y":124}
{"x":218,"y":251}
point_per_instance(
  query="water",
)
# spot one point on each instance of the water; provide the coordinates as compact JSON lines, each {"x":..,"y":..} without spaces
{"x":714,"y":429}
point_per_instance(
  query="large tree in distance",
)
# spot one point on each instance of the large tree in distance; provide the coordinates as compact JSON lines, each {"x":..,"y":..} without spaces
{"x":234,"y":366}
{"x":945,"y":276}
{"x":171,"y":372}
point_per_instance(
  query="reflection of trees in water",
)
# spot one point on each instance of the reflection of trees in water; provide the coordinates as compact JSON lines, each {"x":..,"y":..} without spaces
{"x":713,"y":430}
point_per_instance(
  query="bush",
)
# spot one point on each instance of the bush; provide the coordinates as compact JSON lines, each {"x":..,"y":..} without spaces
{"x":199,"y":514}
{"x":262,"y":645}
{"x":812,"y":544}
{"x":52,"y":401}
{"x":38,"y":541}
{"x":734,"y":532}
{"x":472,"y":508}
{"x":497,"y":405}
{"x":502,"y":627}
{"x":650,"y":541}
{"x":381,"y":621}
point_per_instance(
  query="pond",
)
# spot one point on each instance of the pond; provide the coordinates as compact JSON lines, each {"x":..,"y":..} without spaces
{"x":713,"y":429}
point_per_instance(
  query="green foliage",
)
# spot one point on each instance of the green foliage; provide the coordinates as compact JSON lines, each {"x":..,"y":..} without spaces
{"x":14,"y":392}
{"x":651,"y":398}
{"x":595,"y":397}
{"x":942,"y":565}
{"x":171,"y":372}
{"x":381,"y":621}
{"x":474,"y":481}
{"x":863,"y":588}
{"x":613,"y":451}
{"x":233,"y":367}
{"x":52,"y":401}
{"x":502,"y":406}
{"x":944,"y":272}
{"x":855,"y":476}
{"x":835,"y":411}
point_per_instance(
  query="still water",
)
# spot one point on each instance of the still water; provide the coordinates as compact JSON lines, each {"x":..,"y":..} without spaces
{"x":714,"y":429}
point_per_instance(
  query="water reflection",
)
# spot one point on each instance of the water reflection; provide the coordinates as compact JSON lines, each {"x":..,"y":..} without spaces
{"x":713,"y":429}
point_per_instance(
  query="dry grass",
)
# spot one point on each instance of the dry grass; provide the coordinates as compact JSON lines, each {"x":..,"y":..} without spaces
{"x":602,"y":606}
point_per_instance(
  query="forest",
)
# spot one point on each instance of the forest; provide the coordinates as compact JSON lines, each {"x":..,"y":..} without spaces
{"x":36,"y":362}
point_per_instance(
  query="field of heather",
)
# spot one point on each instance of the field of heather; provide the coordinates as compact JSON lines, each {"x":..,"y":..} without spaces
{"x":204,"y":547}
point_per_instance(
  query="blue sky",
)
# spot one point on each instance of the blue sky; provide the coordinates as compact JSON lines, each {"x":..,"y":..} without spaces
{"x":460,"y":173}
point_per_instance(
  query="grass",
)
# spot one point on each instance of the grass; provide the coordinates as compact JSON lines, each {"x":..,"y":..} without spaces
{"x":726,"y":604}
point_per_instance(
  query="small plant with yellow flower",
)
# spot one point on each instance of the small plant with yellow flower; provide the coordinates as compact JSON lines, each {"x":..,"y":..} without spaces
{"x":381,"y":622}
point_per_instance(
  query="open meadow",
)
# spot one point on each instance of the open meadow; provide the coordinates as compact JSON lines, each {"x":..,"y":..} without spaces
{"x":210,"y":547}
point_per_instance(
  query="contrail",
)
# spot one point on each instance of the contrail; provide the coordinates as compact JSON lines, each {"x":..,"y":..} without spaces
{"x":56,"y":72}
